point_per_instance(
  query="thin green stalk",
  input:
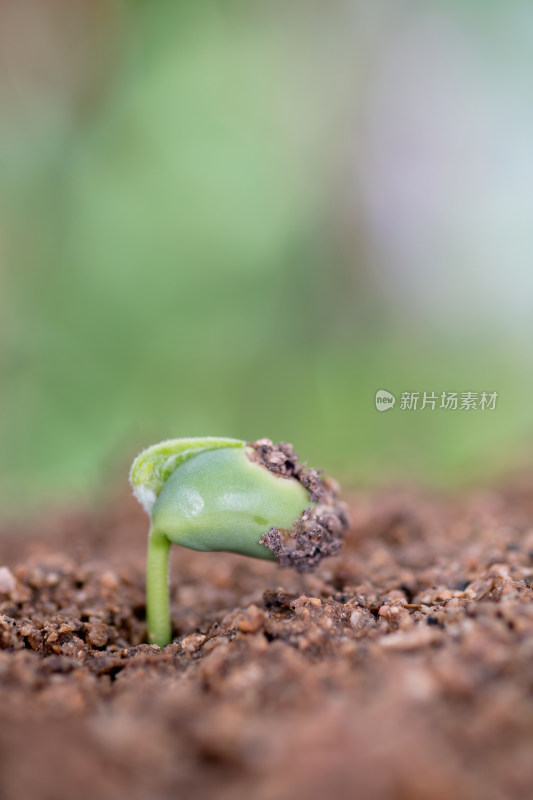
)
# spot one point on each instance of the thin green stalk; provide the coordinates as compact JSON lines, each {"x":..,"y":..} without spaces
{"x":157,"y":592}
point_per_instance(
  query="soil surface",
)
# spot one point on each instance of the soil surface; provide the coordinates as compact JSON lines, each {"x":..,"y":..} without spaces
{"x":402,"y":668}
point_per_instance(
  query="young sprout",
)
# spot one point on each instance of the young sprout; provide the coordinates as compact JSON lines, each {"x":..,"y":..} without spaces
{"x":225,"y":494}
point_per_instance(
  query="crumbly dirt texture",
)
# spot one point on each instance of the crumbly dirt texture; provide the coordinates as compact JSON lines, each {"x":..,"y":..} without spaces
{"x":402,"y":668}
{"x":319,"y":530}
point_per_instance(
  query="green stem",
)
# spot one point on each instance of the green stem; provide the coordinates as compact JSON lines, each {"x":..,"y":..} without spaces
{"x":157,"y":592}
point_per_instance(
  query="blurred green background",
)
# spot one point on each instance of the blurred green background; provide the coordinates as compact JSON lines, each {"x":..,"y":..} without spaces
{"x":245,"y":218}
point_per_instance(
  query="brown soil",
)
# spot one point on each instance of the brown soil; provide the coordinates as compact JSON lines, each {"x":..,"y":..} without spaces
{"x":402,"y":668}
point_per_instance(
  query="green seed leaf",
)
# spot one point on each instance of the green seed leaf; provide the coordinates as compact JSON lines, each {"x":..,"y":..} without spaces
{"x":223,"y":500}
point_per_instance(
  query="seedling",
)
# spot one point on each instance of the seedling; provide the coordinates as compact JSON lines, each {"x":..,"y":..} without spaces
{"x":225,"y":494}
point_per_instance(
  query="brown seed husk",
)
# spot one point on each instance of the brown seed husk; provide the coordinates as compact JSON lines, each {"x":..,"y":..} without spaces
{"x":319,"y":530}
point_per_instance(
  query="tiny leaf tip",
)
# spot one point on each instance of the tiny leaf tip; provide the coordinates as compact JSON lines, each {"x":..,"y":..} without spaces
{"x":154,"y":464}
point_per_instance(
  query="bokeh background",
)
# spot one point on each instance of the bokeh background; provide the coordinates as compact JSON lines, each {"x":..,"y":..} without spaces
{"x":245,"y":218}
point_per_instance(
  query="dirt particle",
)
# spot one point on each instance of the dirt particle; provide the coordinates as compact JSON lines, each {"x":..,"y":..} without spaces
{"x":253,"y":620}
{"x":193,"y":642}
{"x":96,"y":635}
{"x":7,"y":581}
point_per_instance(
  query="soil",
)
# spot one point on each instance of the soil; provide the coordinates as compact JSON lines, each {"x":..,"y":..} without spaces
{"x":402,"y":668}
